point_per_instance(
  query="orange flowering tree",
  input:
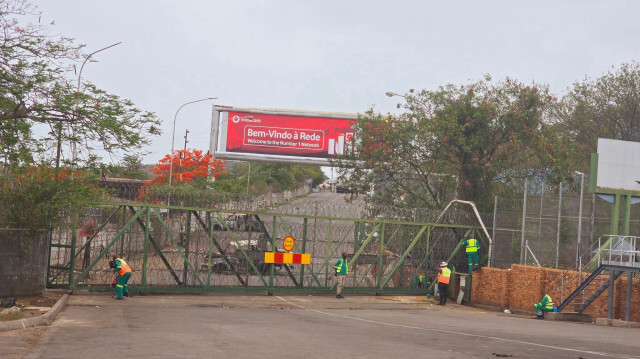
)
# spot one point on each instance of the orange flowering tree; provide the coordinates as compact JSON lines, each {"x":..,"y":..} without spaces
{"x":192,"y":174}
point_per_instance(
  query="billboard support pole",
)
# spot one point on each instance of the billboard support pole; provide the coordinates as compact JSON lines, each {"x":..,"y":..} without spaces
{"x":215,"y":127}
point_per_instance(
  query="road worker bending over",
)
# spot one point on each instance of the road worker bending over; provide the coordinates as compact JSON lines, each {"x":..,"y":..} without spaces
{"x":124,"y":273}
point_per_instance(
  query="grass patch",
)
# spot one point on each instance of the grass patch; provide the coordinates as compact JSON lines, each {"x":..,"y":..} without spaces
{"x":11,"y":316}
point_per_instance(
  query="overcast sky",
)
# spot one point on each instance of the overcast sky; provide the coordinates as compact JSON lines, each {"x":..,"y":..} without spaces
{"x":337,"y":56}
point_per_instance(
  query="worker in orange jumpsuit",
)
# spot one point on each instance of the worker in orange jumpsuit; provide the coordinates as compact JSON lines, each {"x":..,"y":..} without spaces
{"x":124,"y":273}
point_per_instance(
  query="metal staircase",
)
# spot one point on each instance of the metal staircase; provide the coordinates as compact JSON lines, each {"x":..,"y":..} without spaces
{"x":597,"y":269}
{"x":590,"y":289}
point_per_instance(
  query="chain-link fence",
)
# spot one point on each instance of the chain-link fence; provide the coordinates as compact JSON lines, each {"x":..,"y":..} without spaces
{"x":547,"y":233}
{"x":129,"y":190}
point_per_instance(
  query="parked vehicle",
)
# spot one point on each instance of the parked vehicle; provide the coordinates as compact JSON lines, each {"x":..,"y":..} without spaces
{"x":241,"y":222}
{"x":230,"y":220}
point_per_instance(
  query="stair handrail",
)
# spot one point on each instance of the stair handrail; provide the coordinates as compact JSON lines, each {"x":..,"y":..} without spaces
{"x":577,"y":267}
{"x":617,"y":256}
{"x":596,"y":258}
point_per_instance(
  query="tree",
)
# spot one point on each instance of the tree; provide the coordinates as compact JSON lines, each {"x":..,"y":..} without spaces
{"x":129,"y":167}
{"x":37,"y":88}
{"x":191,"y":177}
{"x":304,"y":173}
{"x":458,"y":141}
{"x":40,"y":197}
{"x":607,"y":107}
{"x":267,"y":177}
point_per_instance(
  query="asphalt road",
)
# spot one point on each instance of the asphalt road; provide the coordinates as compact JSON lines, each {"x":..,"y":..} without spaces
{"x":251,"y":326}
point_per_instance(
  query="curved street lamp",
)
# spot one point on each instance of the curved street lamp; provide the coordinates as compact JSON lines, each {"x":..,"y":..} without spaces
{"x":73,"y":145}
{"x":74,"y":151}
{"x":89,"y":56}
{"x":173,"y":132}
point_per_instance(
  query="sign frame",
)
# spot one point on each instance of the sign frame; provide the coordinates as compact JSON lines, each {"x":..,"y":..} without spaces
{"x":220,"y":132}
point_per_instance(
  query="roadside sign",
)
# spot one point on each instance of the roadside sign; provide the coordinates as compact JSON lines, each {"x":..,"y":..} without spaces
{"x":288,"y":243}
{"x":287,"y":258}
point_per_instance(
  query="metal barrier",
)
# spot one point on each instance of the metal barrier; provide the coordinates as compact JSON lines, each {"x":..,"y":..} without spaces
{"x":190,"y":249}
{"x":596,"y":269}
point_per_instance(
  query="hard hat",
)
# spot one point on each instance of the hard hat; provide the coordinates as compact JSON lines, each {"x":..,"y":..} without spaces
{"x":443,"y":264}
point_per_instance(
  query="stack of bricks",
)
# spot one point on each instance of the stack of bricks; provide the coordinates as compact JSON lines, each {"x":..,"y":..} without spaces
{"x":520,"y":287}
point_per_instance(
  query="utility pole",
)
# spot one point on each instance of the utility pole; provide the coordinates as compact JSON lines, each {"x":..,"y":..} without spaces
{"x":186,"y":135}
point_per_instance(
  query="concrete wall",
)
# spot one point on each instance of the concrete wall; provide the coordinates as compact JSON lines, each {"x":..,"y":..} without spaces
{"x":519,"y":289}
{"x":23,"y":254}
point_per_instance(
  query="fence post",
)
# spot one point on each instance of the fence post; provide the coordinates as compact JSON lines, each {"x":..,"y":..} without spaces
{"x":187,"y":237}
{"x":612,"y":274}
{"x":380,"y":257}
{"x":47,"y":260}
{"x":304,"y":249}
{"x":72,"y":262}
{"x":627,"y":309}
{"x":210,"y":250}
{"x":146,"y":250}
{"x":426,"y":257}
{"x":273,"y":248}
{"x":524,"y":218}
{"x":493,"y":230}
{"x":559,"y":224}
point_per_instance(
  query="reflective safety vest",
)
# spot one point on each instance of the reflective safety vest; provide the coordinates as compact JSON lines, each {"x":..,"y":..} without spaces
{"x":444,"y":275}
{"x":124,"y":267}
{"x":339,"y":264}
{"x":472,"y":245}
{"x":549,"y":304}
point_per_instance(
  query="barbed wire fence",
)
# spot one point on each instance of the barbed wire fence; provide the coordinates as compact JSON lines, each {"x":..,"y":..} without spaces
{"x":541,"y":227}
{"x":538,"y":226}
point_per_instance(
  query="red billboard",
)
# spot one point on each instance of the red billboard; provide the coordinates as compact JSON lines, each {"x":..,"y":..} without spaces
{"x":287,"y":135}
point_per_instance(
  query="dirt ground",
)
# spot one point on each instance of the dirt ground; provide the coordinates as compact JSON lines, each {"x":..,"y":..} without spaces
{"x":45,"y":303}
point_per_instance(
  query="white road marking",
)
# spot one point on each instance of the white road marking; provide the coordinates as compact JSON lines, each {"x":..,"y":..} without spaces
{"x":465,"y":334}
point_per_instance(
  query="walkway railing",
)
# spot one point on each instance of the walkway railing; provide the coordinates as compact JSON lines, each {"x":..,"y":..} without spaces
{"x":609,"y":250}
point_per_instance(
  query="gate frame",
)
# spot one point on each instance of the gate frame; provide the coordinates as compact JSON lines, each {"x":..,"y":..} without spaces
{"x":74,"y":282}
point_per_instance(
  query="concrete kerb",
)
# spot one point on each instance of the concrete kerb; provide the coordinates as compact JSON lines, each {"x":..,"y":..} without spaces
{"x":41,"y":320}
{"x":616,"y":323}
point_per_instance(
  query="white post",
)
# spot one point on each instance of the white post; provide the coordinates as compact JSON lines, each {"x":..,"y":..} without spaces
{"x":559,"y":224}
{"x":578,"y":257}
{"x":493,"y":231}
{"x":524,"y":218}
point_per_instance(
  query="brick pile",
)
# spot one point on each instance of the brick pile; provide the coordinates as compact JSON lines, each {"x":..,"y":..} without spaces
{"x":520,"y":287}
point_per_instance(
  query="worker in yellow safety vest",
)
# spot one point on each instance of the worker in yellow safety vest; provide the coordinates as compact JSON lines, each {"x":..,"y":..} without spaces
{"x":545,"y":305}
{"x":342,"y":269}
{"x":471,"y":247}
{"x":444,"y":274}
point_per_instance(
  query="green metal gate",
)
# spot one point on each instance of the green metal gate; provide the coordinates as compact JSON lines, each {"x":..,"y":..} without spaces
{"x":174,"y":249}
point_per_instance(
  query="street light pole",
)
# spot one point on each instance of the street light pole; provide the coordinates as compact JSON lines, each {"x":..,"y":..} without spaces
{"x":74,"y":152}
{"x":173,"y":132}
{"x":89,"y":56}
{"x":59,"y":125}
